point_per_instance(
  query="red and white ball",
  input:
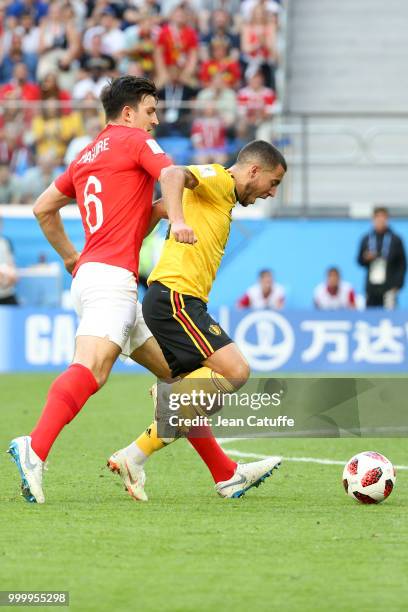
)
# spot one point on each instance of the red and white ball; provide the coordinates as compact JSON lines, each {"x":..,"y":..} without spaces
{"x":369,"y":477}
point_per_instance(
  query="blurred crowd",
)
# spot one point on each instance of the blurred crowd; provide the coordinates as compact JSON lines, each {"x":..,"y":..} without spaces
{"x":214,"y":62}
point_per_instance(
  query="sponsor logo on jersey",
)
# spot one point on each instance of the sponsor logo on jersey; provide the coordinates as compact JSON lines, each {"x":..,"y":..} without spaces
{"x":206,"y":171}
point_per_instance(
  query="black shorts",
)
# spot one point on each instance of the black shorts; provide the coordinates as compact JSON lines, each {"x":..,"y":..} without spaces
{"x":183,"y":328}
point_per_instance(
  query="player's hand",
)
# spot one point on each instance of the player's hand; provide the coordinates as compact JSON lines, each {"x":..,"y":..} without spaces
{"x":183,"y":233}
{"x":70,"y":262}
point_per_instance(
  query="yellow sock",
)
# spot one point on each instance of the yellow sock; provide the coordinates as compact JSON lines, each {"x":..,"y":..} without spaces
{"x":204,"y":379}
{"x":209,"y":381}
{"x":149,"y":442}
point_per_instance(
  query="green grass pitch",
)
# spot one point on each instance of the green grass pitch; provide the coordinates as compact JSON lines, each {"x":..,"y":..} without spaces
{"x":296,"y":543}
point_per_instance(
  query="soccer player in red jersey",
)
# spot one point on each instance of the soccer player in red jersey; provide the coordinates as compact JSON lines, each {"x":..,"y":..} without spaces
{"x":112,"y":180}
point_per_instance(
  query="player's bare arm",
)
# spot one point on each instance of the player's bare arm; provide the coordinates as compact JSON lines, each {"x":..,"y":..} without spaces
{"x":46,"y":210}
{"x":159,"y":212}
{"x":173,"y":179}
{"x":190,"y":181}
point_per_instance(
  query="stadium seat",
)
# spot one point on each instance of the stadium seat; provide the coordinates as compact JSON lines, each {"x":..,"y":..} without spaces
{"x":178,"y":148}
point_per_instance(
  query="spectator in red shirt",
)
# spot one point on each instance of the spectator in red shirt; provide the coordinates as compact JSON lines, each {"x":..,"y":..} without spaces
{"x":20,"y":87}
{"x":208,"y":136}
{"x":177,"y":45}
{"x":255,"y":105}
{"x":13,"y":151}
{"x":220,"y":61}
{"x":258,"y":41}
{"x":264,"y":294}
{"x":334,"y":294}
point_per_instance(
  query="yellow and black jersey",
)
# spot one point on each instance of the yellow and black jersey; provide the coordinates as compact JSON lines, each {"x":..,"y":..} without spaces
{"x":191,"y":269}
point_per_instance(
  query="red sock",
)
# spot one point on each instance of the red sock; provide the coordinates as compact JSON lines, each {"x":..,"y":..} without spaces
{"x":66,"y":396}
{"x":220,"y":466}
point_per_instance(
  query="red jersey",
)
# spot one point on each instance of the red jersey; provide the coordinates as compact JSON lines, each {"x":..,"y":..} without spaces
{"x":209,"y":133}
{"x":326,"y":298}
{"x":27,"y":91}
{"x":112,"y":180}
{"x":251,"y":102}
{"x":254,"y":297}
{"x":177,"y":44}
{"x":229,"y":68}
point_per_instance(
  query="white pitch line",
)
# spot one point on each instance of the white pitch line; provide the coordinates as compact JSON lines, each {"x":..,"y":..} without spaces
{"x":237,"y":453}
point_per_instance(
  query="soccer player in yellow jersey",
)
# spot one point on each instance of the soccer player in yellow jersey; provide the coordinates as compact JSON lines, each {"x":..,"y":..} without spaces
{"x":197,"y":349}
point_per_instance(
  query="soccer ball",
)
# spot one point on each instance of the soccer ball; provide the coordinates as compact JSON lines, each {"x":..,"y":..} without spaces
{"x":369,"y":477}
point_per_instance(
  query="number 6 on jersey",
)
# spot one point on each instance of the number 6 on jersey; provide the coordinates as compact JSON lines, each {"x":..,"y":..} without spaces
{"x":91,"y":197}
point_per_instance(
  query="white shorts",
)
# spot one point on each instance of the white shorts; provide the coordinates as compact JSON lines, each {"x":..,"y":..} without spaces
{"x":105,"y":299}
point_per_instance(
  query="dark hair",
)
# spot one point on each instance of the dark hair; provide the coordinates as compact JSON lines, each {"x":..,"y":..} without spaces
{"x":380,"y":209}
{"x":263,"y":152}
{"x":263,"y":272}
{"x":333,"y":269}
{"x":125,"y":91}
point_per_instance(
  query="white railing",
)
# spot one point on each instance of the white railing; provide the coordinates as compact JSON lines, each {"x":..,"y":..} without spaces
{"x":312,"y":143}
